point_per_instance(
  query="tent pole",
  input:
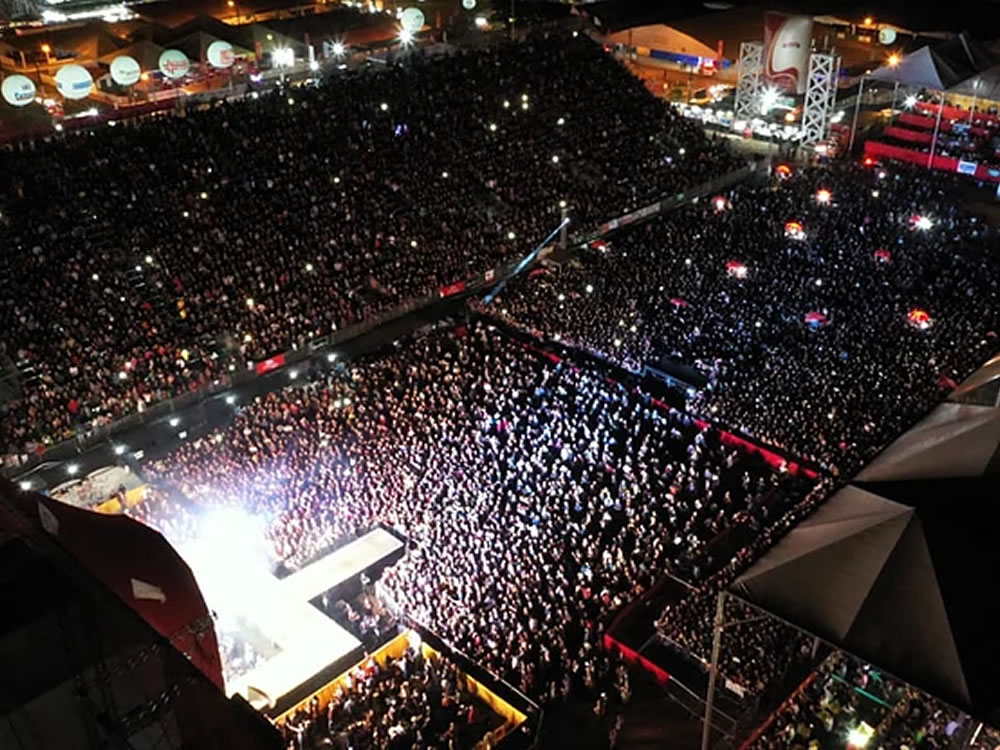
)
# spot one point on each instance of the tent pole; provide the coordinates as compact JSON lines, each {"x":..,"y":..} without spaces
{"x":720,"y":617}
{"x":937,"y":127}
{"x":857,"y":107}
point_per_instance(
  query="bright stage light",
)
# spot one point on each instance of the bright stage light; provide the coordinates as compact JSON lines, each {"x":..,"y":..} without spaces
{"x":769,"y":99}
{"x":859,"y":736}
{"x":823,"y":196}
{"x":24,"y":485}
{"x":120,"y":449}
{"x":174,"y":421}
{"x":910,"y":101}
{"x":331,"y":357}
{"x":923,"y":223}
{"x":230,"y":399}
{"x":72,"y":469}
{"x":480,"y":22}
{"x":338,"y":48}
{"x":405,"y":36}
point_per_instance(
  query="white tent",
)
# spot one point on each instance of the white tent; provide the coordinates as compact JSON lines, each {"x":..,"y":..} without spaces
{"x":955,"y":440}
{"x":662,"y":38}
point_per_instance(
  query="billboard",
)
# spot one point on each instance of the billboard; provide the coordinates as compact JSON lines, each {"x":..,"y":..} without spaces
{"x":786,"y":49}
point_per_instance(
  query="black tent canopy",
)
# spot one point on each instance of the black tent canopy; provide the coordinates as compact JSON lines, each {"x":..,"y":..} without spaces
{"x":901,"y":572}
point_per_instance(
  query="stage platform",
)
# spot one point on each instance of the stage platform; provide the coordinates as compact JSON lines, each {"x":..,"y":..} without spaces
{"x":307,"y":641}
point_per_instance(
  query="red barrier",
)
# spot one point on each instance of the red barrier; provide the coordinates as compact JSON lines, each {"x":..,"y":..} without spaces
{"x":914,"y":136}
{"x":943,"y":163}
{"x":272,"y":363}
{"x":928,"y":123}
{"x":774,"y":714}
{"x":636,"y":659}
{"x":451,"y":289}
{"x":954,"y":113}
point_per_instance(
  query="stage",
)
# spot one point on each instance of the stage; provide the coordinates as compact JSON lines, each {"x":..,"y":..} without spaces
{"x":301,"y":640}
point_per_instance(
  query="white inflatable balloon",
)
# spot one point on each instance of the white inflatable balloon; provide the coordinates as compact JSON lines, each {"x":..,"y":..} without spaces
{"x":125,"y":70}
{"x":74,"y":81}
{"x":174,"y":63}
{"x":18,"y":90}
{"x":469,"y":4}
{"x":412,"y":19}
{"x":220,"y":54}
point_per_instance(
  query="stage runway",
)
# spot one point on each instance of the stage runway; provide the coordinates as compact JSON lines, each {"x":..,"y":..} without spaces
{"x":307,"y":640}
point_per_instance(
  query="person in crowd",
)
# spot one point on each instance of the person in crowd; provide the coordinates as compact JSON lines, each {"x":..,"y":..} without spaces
{"x":538,"y":497}
{"x":153,"y":258}
{"x":805,"y":332}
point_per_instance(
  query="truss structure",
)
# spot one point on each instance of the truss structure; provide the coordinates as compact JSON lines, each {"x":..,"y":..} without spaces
{"x":821,"y":97}
{"x":748,"y":85}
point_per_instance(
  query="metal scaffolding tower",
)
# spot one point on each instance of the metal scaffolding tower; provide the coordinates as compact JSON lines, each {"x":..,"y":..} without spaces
{"x":821,"y":97}
{"x":748,"y":82}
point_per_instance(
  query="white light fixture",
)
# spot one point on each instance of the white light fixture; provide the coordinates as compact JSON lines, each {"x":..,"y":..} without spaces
{"x":383,"y":106}
{"x":230,"y":399}
{"x":174,"y":421}
{"x":25,"y":485}
{"x":923,"y":223}
{"x":338,"y":48}
{"x":331,"y":357}
{"x":120,"y":449}
{"x":293,"y":374}
{"x":769,"y":99}
{"x":72,"y":469}
{"x":910,"y":102}
{"x":480,"y":22}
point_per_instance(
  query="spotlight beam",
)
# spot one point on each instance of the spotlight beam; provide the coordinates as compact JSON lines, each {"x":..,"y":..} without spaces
{"x":525,"y":261}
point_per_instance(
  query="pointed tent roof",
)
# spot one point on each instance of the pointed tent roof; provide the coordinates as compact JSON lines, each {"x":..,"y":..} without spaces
{"x":940,"y":67}
{"x":955,"y":440}
{"x":146,"y":53}
{"x":920,"y":69}
{"x":898,"y":583}
{"x":195,"y":45}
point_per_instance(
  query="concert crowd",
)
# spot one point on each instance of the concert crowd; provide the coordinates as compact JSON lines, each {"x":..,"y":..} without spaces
{"x":792,"y":332}
{"x":844,"y":696}
{"x":174,"y":250}
{"x":538,"y":497}
{"x":410,"y":703}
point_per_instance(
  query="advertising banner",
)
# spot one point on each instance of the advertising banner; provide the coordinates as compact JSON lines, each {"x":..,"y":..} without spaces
{"x":787,"y":41}
{"x":449,"y":289}
{"x":272,"y":363}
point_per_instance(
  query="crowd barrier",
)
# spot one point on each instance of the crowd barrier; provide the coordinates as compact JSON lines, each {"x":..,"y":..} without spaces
{"x":945,"y":126}
{"x":523,"y":715}
{"x":87,"y":437}
{"x":514,"y":714}
{"x":954,"y":113}
{"x":905,"y":134}
{"x":975,"y":170}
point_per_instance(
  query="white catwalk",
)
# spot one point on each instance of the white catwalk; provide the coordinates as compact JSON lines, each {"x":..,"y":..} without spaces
{"x":307,"y":640}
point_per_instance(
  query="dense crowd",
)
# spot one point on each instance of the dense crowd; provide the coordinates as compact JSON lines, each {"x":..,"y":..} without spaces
{"x":756,"y":651}
{"x":538,"y":496}
{"x":410,"y":703}
{"x":845,"y":698}
{"x":791,"y":323}
{"x":149,"y":259}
